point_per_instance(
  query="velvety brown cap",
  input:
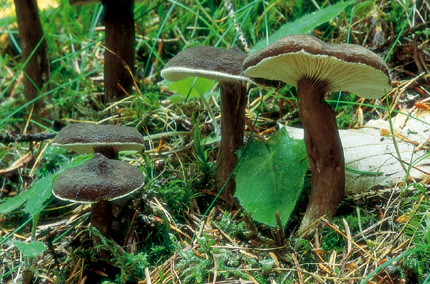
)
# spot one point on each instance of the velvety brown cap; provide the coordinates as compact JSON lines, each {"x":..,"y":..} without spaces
{"x":346,"y":67}
{"x":98,"y":179}
{"x":84,"y":137}
{"x":207,"y":62}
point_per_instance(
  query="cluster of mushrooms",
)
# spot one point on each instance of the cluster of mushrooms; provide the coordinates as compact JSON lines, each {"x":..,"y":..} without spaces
{"x":314,"y":68}
{"x":103,"y":178}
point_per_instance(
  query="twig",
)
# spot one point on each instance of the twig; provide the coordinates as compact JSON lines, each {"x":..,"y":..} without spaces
{"x":215,"y":269}
{"x":17,"y":138}
{"x":299,"y":272}
{"x":354,"y":243}
{"x":348,"y":233}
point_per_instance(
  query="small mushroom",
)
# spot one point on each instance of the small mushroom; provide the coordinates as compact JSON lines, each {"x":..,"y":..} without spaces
{"x":98,"y":181}
{"x":224,"y":66}
{"x":316,"y":68}
{"x":86,"y":138}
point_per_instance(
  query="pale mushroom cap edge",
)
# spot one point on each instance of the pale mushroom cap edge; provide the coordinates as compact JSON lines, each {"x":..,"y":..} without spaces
{"x":84,"y":137}
{"x":206,"y":62}
{"x":346,"y":67}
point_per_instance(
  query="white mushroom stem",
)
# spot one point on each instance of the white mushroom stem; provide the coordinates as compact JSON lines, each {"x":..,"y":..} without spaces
{"x":324,"y":150}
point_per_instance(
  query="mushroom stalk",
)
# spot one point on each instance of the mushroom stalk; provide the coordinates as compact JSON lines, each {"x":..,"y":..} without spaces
{"x":324,"y":149}
{"x":108,"y":152}
{"x":226,"y":67}
{"x":101,"y":216}
{"x":120,"y":41}
{"x":233,"y":100}
{"x":34,"y":54}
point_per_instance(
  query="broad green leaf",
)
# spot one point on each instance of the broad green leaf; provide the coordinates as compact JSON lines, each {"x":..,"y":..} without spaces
{"x":363,"y":8}
{"x":39,"y":192}
{"x":13,"y":203}
{"x":183,"y":87}
{"x":270,"y":177}
{"x":305,"y":24}
{"x":32,"y":249}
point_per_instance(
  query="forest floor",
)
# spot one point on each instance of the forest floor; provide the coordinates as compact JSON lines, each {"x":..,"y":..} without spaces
{"x":176,"y":229}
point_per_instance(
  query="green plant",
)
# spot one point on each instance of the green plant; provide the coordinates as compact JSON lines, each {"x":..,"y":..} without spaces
{"x":394,"y":260}
{"x":202,"y":153}
{"x":232,"y":228}
{"x":356,"y":221}
{"x":418,"y":230}
{"x":178,"y":195}
{"x":29,"y":251}
{"x":35,"y":198}
{"x":305,"y":24}
{"x":190,"y":88}
{"x":396,"y":13}
{"x":196,"y":268}
{"x":270,"y":177}
{"x":132,"y":266}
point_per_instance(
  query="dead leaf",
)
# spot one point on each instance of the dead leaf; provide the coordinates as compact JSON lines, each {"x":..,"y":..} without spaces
{"x":20,"y":163}
{"x":372,"y":160}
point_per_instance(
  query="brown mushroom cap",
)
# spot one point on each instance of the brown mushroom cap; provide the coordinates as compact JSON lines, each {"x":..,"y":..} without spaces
{"x":346,"y":67}
{"x":207,"y":62}
{"x":222,"y":65}
{"x":98,"y":179}
{"x":84,"y":137}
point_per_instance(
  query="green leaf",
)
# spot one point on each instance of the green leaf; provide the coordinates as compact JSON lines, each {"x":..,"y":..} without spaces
{"x":305,"y":24}
{"x":270,"y":177}
{"x":363,"y":8}
{"x":13,"y":203}
{"x":183,"y":87}
{"x":32,"y":249}
{"x":40,"y":191}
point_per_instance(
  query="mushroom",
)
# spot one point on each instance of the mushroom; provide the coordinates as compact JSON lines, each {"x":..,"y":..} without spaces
{"x":98,"y":181}
{"x":316,"y":68}
{"x":85,"y":138}
{"x":224,"y":66}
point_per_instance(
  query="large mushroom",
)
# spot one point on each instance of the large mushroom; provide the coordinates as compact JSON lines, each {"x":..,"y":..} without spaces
{"x":224,"y":66}
{"x":98,"y":181}
{"x":86,"y":138}
{"x":316,"y":68}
